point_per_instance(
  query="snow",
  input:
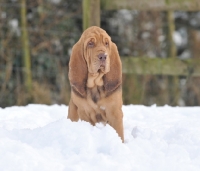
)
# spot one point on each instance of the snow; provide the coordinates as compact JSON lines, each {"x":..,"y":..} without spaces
{"x":177,"y":38}
{"x":55,"y":1}
{"x":40,"y":137}
{"x":14,"y":25}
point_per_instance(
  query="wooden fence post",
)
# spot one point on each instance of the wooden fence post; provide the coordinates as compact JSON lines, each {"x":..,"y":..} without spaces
{"x":171,"y":29}
{"x":25,"y":48}
{"x":91,"y":13}
{"x":174,"y":92}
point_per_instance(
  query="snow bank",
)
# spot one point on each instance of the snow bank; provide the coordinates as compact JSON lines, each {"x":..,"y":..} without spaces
{"x":39,"y":137}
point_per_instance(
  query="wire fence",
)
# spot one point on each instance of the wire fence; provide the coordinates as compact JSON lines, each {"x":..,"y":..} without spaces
{"x":55,"y":25}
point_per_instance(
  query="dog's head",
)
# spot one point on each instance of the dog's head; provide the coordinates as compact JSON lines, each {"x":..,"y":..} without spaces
{"x":97,"y":44}
{"x":94,"y":52}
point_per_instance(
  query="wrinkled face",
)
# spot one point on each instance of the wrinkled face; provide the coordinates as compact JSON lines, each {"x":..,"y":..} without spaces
{"x":96,"y":51}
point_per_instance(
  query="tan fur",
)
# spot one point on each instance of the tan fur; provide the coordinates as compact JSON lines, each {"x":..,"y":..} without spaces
{"x":96,"y":94}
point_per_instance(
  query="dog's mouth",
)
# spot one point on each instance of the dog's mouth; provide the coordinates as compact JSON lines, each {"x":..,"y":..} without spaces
{"x":102,"y":68}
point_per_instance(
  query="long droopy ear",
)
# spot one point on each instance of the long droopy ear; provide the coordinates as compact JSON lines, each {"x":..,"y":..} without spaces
{"x":78,"y":70}
{"x":113,"y":79}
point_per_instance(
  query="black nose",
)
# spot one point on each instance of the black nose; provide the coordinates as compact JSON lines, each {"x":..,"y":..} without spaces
{"x":102,"y":56}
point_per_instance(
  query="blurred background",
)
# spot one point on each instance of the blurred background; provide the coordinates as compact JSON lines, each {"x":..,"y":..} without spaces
{"x":36,"y":42}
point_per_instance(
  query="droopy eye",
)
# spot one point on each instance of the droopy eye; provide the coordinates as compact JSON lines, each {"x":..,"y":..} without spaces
{"x":90,"y":44}
{"x":106,"y":43}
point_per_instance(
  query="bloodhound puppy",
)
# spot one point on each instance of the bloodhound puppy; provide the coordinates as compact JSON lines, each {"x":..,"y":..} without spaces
{"x":95,"y":75}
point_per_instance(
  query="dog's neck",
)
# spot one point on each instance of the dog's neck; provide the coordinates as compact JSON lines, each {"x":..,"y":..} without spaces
{"x":95,"y":79}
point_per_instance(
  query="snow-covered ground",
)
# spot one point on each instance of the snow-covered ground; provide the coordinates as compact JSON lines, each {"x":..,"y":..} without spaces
{"x":40,"y":138}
